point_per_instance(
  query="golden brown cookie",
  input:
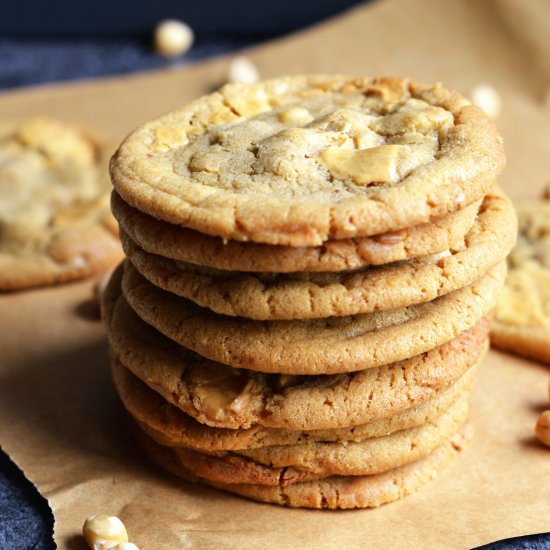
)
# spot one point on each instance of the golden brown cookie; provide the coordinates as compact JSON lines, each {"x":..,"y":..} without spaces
{"x":274,"y":296}
{"x":300,"y":160}
{"x":320,"y":346}
{"x":336,"y":492}
{"x":287,"y":464}
{"x":170,"y":426}
{"x":220,"y":396}
{"x":180,"y":243}
{"x":55,"y":223}
{"x":522,"y":322}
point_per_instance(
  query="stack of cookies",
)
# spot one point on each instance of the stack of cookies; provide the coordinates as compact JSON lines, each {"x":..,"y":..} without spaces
{"x":312,"y":265}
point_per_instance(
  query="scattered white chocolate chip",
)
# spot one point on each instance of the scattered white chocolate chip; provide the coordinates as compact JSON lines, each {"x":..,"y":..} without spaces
{"x":542,"y":429}
{"x":243,"y":71}
{"x":126,"y":546}
{"x":486,"y":97}
{"x":173,"y":38}
{"x":104,"y":532}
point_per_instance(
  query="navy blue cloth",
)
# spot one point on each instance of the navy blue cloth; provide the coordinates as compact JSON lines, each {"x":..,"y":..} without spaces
{"x":116,"y":17}
{"x":26,"y":520}
{"x":25,"y":61}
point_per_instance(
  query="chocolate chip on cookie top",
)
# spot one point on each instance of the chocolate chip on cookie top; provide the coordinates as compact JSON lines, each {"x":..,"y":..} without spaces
{"x":299,"y":160}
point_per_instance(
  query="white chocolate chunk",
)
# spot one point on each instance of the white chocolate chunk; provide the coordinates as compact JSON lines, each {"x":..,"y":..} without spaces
{"x":173,"y":38}
{"x":242,"y":70}
{"x":486,"y":97}
{"x":372,"y":165}
{"x":296,"y":116}
{"x":103,"y":532}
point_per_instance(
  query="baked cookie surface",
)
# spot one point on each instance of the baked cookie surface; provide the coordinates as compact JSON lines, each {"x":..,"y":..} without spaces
{"x":522,"y":322}
{"x":287,"y":464}
{"x":220,"y":396}
{"x":273,"y":296}
{"x":335,"y":492}
{"x":318,"y":346}
{"x":170,"y":426}
{"x":299,"y":160}
{"x":55,"y":222}
{"x":180,"y":243}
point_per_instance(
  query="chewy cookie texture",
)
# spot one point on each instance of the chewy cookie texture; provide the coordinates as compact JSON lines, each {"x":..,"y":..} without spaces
{"x":299,"y":160}
{"x":313,"y":264}
{"x":55,"y":223}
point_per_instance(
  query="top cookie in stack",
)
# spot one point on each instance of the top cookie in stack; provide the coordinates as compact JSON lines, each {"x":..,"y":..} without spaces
{"x":314,"y":259}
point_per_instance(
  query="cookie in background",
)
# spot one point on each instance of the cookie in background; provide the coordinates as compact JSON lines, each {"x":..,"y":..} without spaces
{"x":522,"y":323}
{"x":55,"y":221}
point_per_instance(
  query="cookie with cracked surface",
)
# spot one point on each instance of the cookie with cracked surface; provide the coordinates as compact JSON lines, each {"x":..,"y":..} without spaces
{"x":55,"y":222}
{"x":522,"y":322}
{"x":335,"y":492}
{"x":170,"y":426}
{"x":300,"y":160}
{"x":287,"y":464}
{"x":318,"y":346}
{"x":183,"y":244}
{"x":275,"y":296}
{"x":220,"y":396}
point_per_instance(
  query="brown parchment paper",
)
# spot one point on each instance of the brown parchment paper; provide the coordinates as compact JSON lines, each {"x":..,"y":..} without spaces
{"x":60,"y":420}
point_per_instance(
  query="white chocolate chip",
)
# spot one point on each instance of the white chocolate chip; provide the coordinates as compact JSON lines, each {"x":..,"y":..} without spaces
{"x":78,"y":262}
{"x":104,"y":532}
{"x":173,"y":38}
{"x":242,"y":70}
{"x":375,"y":164}
{"x":486,"y":97}
{"x":126,"y":546}
{"x":295,"y":116}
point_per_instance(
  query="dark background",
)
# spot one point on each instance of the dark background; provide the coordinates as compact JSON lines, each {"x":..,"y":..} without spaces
{"x":43,"y":41}
{"x":51,"y":40}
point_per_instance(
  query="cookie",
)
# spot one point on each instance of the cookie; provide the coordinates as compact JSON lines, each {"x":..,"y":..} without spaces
{"x":522,"y":322}
{"x":335,"y":492}
{"x":180,"y":243}
{"x":320,"y":346}
{"x":299,"y":160}
{"x":220,"y":396}
{"x":274,"y":296}
{"x":369,"y":456}
{"x":55,"y":223}
{"x":171,"y":427}
{"x":287,"y":464}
